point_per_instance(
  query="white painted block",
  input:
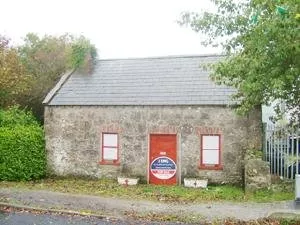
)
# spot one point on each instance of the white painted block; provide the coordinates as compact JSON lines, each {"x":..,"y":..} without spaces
{"x":128,"y":181}
{"x":195,"y":183}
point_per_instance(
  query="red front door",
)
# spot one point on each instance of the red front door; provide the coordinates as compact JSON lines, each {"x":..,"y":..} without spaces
{"x":163,"y":159}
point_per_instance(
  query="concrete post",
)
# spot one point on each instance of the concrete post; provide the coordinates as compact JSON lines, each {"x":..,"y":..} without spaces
{"x":297,"y":190}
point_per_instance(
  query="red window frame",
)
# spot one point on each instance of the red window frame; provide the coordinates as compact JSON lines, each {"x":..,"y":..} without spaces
{"x":210,"y":166}
{"x":105,"y":161}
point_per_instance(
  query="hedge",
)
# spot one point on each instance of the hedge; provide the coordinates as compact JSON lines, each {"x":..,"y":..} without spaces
{"x":22,"y":146}
{"x":15,"y":116}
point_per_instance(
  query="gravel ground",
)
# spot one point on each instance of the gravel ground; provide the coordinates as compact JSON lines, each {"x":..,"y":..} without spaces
{"x":120,"y":207}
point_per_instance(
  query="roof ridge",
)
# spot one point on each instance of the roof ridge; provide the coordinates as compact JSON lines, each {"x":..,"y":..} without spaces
{"x":164,"y":57}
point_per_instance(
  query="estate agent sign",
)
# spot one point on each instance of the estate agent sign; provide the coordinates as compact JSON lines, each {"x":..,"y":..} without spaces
{"x":163,"y":168}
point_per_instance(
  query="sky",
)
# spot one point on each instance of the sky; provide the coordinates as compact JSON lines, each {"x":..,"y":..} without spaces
{"x":118,"y":28}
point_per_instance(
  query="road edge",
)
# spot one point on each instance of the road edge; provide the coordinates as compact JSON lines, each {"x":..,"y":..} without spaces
{"x":53,"y":210}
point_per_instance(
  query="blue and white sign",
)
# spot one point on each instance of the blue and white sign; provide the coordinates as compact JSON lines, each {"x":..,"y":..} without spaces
{"x":163,"y":168}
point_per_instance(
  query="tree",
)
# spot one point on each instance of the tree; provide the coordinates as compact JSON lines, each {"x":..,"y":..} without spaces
{"x":14,"y":81}
{"x":47,"y":58}
{"x":260,"y":39}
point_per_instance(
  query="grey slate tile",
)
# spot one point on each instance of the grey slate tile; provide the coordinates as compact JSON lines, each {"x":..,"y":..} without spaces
{"x":145,"y":81}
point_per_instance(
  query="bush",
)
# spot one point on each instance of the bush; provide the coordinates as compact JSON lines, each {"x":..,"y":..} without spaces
{"x":22,"y":146}
{"x":14,"y":116}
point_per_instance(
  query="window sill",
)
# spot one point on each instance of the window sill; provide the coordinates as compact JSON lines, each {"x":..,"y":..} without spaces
{"x":212,"y":167}
{"x":112,"y":163}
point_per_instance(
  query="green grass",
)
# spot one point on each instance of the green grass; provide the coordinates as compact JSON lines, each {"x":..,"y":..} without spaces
{"x":269,"y":195}
{"x":106,"y":187}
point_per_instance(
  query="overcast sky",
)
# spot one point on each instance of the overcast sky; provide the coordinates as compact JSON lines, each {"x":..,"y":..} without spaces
{"x":118,"y":28}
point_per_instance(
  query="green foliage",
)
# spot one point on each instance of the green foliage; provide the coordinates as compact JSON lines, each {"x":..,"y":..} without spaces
{"x":47,"y":58}
{"x":287,"y":221}
{"x":14,"y":81}
{"x":254,"y":154}
{"x":16,"y":117}
{"x":261,"y":41}
{"x":82,"y":53}
{"x":22,"y":148}
{"x":28,"y":73}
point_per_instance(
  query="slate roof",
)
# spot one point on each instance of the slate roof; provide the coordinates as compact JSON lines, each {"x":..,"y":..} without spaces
{"x":171,"y":80}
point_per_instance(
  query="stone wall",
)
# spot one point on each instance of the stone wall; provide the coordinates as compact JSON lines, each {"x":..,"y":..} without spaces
{"x":257,"y":175}
{"x":73,"y":138}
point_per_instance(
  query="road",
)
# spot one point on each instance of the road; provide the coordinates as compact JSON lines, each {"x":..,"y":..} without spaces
{"x":27,"y":218}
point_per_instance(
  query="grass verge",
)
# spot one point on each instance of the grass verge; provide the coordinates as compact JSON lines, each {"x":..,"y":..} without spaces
{"x":110,"y":188}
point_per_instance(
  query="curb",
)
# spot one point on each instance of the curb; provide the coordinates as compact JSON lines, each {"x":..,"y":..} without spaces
{"x":67,"y":212}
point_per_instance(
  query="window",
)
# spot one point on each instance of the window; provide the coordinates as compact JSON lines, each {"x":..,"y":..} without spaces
{"x":110,"y":148}
{"x":210,"y":152}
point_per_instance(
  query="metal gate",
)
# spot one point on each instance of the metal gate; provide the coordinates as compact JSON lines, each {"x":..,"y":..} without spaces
{"x":282,"y":150}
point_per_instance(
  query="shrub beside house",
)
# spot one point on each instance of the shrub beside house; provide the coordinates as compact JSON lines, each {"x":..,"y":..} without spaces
{"x":22,"y":148}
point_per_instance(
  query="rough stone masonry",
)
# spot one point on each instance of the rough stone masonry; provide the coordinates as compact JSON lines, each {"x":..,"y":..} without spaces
{"x":73,"y":139}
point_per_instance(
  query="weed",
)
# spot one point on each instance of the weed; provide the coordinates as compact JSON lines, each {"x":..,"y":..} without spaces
{"x":110,"y":188}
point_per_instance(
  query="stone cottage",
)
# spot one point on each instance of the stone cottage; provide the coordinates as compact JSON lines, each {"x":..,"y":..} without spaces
{"x":161,"y":119}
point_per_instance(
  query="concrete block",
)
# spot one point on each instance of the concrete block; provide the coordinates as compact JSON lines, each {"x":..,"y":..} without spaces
{"x":128,"y":181}
{"x":195,"y":183}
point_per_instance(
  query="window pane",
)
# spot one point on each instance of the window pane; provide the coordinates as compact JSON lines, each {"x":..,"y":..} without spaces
{"x":110,"y":153}
{"x":210,"y":157}
{"x":210,"y":142}
{"x":110,"y":140}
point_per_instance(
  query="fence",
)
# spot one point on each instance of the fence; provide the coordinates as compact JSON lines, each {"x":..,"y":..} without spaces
{"x":282,"y":150}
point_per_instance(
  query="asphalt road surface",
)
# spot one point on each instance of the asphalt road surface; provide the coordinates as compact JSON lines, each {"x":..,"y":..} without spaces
{"x":27,"y":218}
